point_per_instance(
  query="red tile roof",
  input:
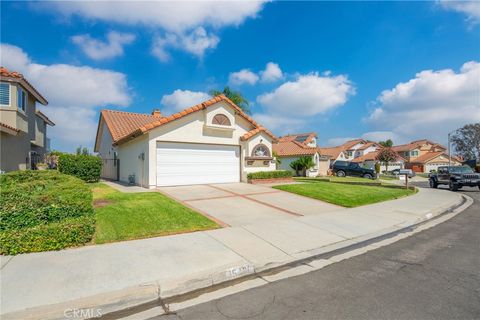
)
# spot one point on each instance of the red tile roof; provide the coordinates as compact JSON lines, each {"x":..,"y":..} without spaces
{"x":292,"y":137}
{"x":333,"y":152}
{"x":9,"y":127}
{"x":432,"y":155}
{"x":293,"y":148}
{"x":121,"y":124}
{"x":371,"y":156}
{"x":124,"y":126}
{"x":18,"y":77}
{"x":415,"y":144}
{"x":253,"y":132}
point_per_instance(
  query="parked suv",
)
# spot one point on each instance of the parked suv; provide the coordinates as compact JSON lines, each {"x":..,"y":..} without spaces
{"x":345,"y":168}
{"x":455,"y":177}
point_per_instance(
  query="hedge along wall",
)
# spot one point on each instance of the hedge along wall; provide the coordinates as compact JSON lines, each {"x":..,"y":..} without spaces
{"x":44,"y":210}
{"x":270,"y":174}
{"x":87,"y":168}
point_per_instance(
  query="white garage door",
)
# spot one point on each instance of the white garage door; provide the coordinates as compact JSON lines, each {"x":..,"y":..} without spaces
{"x":185,"y":163}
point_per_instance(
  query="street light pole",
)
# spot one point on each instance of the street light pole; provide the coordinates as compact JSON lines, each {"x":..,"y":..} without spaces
{"x":449,"y":154}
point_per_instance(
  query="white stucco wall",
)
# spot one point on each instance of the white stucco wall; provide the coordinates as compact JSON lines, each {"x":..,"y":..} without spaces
{"x":131,"y":164}
{"x":105,"y":148}
{"x":258,"y":165}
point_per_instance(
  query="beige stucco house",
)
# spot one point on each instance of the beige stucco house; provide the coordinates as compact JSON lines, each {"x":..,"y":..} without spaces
{"x":23,"y":127}
{"x":291,"y":147}
{"x":212,"y":142}
{"x":424,"y":155}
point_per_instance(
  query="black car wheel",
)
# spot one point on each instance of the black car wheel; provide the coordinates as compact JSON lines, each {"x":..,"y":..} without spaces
{"x":433,"y":184}
{"x":341,"y":173}
{"x":367,"y":176}
{"x":453,"y":186}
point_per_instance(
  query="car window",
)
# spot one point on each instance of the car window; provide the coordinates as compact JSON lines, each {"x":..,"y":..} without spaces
{"x":461,"y":169}
{"x":353,"y":165}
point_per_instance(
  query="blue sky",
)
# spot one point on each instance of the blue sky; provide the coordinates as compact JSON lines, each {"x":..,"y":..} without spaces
{"x":401,"y":70}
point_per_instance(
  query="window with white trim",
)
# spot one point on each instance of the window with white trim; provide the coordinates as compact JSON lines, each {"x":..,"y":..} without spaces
{"x":4,"y":94}
{"x":22,"y":99}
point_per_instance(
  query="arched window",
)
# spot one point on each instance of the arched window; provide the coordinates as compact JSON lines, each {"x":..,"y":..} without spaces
{"x":260,"y":150}
{"x":221,"y":120}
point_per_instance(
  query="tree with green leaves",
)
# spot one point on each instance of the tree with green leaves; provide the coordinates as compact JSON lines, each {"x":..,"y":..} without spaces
{"x":387,"y":143}
{"x":386,"y":155}
{"x":466,"y":141}
{"x":301,"y":165}
{"x":277,"y":160}
{"x":235,"y":96}
{"x":82,"y":151}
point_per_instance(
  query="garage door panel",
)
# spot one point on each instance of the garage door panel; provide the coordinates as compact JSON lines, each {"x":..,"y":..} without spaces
{"x":181,"y":163}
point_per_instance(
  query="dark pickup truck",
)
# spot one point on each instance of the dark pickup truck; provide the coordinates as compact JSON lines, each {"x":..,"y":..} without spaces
{"x":346,"y":168}
{"x":455,"y":177}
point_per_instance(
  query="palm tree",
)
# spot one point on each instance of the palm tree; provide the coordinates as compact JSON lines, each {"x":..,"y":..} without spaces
{"x":307,"y":163}
{"x":235,"y":96}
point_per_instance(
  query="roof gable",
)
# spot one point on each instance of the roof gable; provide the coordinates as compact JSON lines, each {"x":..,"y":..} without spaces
{"x":17,"y":77}
{"x":124,"y":126}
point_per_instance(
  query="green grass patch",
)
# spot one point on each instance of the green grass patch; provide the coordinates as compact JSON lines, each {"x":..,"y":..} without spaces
{"x":335,"y":179}
{"x":126,"y":216}
{"x":347,"y":195}
{"x":388,"y":177}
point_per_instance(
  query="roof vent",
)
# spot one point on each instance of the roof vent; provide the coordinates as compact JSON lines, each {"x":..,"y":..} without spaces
{"x":156,"y":113}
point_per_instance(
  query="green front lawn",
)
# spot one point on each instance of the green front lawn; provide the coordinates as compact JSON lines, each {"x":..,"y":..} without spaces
{"x":346,"y":195}
{"x":124,"y":216}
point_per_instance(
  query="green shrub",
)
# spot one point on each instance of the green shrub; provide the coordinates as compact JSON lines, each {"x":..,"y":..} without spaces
{"x":270,"y":174}
{"x":31,"y":198}
{"x":53,"y":236}
{"x":44,"y":210}
{"x":85,"y":167}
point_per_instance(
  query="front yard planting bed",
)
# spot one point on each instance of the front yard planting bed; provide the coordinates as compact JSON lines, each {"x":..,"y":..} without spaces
{"x":44,"y":210}
{"x":126,"y":216}
{"x":347,"y":195}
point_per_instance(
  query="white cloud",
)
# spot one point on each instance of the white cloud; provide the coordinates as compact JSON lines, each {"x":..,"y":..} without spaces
{"x":271,"y":73}
{"x":74,"y":94}
{"x":241,"y":77}
{"x":98,"y":50}
{"x":338,"y":141}
{"x":182,"y":99}
{"x":280,"y":124}
{"x":180,"y":20}
{"x":308,"y":95}
{"x":470,"y":8}
{"x":381,"y":136}
{"x":196,"y":42}
{"x":431,"y":104}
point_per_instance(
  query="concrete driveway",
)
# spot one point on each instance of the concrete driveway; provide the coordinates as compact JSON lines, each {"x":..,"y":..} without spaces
{"x":237,"y":204}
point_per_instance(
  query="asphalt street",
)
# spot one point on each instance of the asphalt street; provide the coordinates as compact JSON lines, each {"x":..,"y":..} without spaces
{"x":434,"y":274}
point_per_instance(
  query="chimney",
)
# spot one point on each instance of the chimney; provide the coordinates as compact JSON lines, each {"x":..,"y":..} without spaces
{"x":156,"y":113}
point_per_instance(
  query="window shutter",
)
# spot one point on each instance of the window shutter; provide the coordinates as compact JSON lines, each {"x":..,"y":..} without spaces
{"x":4,"y":94}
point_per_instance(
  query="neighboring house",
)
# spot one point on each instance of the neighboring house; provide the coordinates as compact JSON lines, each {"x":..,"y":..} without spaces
{"x":212,"y":142}
{"x":431,"y":161}
{"x":23,"y":127}
{"x":350,"y":150}
{"x":291,"y":147}
{"x":424,"y":155}
{"x":369,"y":160}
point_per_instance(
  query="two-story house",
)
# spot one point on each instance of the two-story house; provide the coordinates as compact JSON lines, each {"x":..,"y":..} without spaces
{"x":424,"y":155}
{"x":291,"y":147}
{"x":23,"y":139}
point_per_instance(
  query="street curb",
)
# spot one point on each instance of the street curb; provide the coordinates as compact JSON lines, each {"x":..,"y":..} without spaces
{"x":128,"y":301}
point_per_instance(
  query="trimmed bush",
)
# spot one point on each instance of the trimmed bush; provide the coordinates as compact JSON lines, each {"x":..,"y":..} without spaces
{"x":269,"y":174}
{"x":85,"y":167}
{"x":53,"y":236}
{"x":44,"y":210}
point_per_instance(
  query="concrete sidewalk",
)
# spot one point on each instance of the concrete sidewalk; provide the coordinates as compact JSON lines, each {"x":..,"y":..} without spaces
{"x":115,"y":276}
